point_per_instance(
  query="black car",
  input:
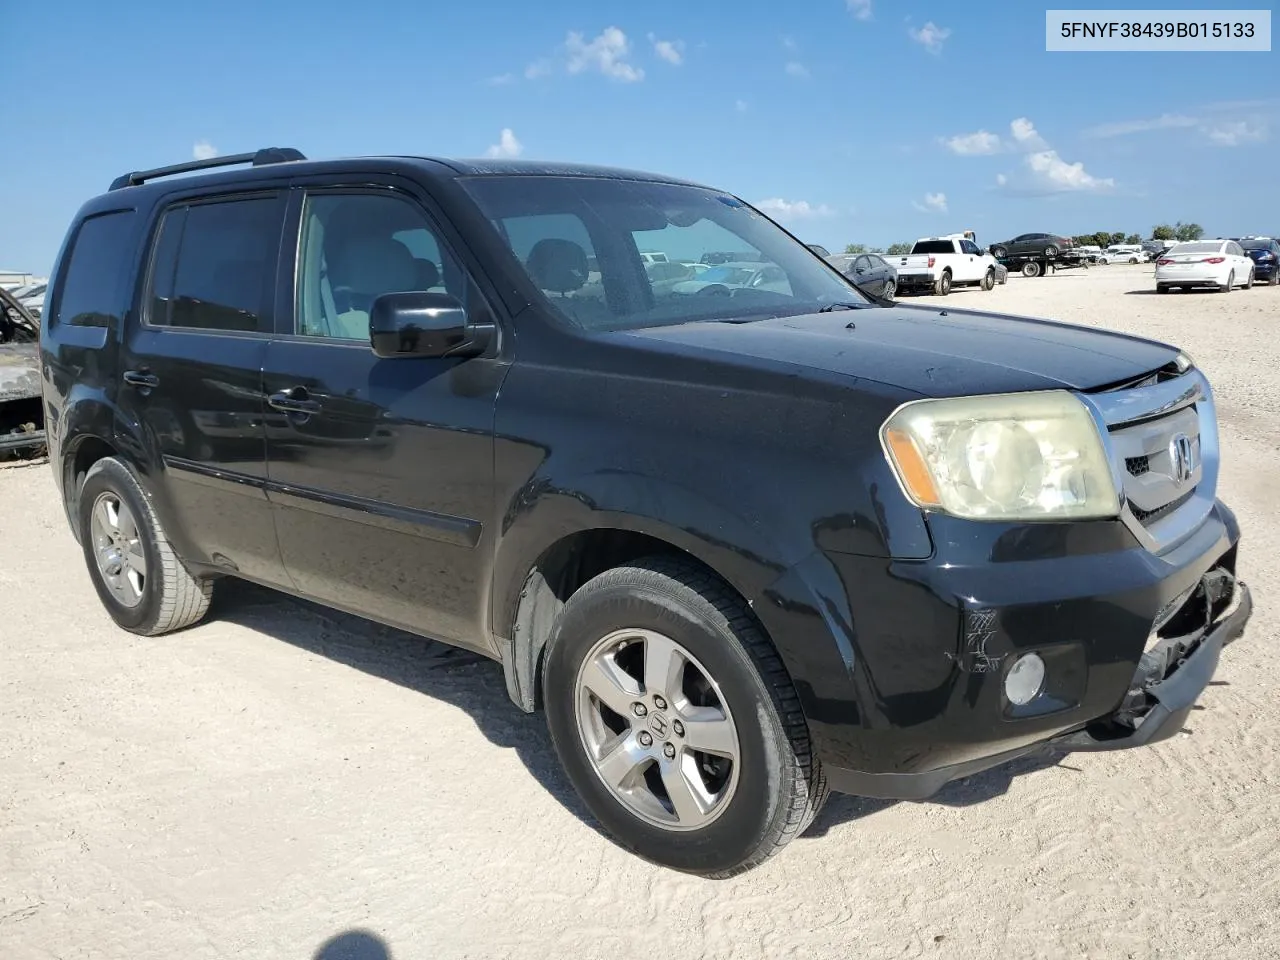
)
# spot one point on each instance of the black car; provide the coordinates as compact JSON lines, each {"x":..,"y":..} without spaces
{"x":1047,"y":245}
{"x":740,"y":549}
{"x":1265,"y":253}
{"x":869,"y":271}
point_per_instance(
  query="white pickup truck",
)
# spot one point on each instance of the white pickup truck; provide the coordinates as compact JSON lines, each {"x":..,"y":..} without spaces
{"x":937,"y":264}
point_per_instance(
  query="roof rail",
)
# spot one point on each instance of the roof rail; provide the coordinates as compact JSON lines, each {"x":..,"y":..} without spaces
{"x":260,"y":158}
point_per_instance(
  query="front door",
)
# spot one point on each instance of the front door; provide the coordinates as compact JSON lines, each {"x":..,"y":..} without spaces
{"x":381,"y":470}
{"x":192,"y":373}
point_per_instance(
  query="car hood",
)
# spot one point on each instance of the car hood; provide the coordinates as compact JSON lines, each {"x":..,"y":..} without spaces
{"x":931,"y":351}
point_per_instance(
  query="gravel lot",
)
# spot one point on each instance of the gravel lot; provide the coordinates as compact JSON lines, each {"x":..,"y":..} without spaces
{"x":287,"y":782}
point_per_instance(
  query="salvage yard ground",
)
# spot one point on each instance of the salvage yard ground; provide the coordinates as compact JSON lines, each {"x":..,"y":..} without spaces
{"x":280,"y":775}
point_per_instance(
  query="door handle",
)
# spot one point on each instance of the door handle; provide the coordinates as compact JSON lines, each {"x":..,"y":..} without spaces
{"x":142,"y":379}
{"x":294,"y":400}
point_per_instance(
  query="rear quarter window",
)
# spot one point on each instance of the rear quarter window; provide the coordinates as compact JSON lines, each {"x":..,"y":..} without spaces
{"x":91,"y":290}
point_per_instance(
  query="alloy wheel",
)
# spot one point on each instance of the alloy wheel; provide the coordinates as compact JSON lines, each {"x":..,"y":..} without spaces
{"x":117,"y":546}
{"x":657,"y":730}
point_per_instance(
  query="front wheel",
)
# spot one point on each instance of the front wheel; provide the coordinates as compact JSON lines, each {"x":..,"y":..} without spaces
{"x":989,"y":280}
{"x":140,"y":580}
{"x":999,"y":252}
{"x":675,"y":719}
{"x":942,"y":286}
{"x":890,"y":290}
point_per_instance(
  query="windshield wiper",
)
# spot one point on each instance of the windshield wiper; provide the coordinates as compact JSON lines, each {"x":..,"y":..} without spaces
{"x":833,"y":307}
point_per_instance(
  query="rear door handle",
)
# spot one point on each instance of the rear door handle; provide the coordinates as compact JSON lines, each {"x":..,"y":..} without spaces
{"x":142,"y":379}
{"x":294,"y":400}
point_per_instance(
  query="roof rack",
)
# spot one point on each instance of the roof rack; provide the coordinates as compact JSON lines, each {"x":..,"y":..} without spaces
{"x":260,"y":158}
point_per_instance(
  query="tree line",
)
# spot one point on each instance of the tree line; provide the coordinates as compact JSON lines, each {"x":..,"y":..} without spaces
{"x":1102,"y":238}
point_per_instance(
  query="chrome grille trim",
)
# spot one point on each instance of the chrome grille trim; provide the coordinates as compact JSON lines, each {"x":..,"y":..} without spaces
{"x":1130,"y":422}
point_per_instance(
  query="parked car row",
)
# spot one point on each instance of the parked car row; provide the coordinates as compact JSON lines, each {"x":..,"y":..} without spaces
{"x":934,"y":265}
{"x":1223,"y":264}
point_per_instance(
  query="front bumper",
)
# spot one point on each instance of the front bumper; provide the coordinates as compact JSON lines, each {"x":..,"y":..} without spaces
{"x":1166,"y":686}
{"x":923,"y":700}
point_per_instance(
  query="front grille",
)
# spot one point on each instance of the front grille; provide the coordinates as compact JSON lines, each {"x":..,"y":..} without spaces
{"x":1154,"y":453}
{"x":1148,"y":517}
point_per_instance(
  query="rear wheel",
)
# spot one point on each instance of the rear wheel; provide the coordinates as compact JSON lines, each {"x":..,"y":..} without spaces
{"x":140,"y":580}
{"x":1162,"y":288}
{"x":890,"y":290}
{"x":942,"y":286}
{"x":1031,"y":269}
{"x":1050,"y":251}
{"x":1231,"y":282}
{"x":676,"y":721}
{"x":1248,"y":284}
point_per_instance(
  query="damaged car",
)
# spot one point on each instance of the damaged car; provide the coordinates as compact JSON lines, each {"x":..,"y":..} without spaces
{"x":21,"y":410}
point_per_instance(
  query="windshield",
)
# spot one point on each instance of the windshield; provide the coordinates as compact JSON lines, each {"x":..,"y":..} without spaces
{"x":579,"y":240}
{"x":1256,"y":244}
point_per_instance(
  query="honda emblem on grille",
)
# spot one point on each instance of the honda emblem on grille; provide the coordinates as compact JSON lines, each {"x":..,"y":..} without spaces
{"x":1182,"y":457}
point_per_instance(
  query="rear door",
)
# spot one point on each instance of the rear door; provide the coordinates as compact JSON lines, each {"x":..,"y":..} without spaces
{"x":380,"y":470}
{"x":191,"y":371}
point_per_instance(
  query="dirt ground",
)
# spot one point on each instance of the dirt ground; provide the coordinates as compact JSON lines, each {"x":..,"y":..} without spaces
{"x":282,"y":782}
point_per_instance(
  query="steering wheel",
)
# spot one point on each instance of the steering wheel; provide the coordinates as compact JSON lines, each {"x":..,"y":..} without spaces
{"x":714,"y":290}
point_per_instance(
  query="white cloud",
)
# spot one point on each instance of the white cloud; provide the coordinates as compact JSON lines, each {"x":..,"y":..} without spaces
{"x":789,"y":43}
{"x":1166,"y":121}
{"x":974,"y":144}
{"x":507,"y":145}
{"x":539,"y":68}
{"x":607,"y":54}
{"x":671,"y":51}
{"x":1001,"y":179}
{"x":861,"y":9}
{"x":933,"y":203}
{"x":1055,"y":175}
{"x":793,"y":209}
{"x":203,"y":150}
{"x":740,"y":106}
{"x":930,"y":36}
{"x":501,"y":80}
{"x":796,"y":69}
{"x":1236,"y":133}
{"x":1024,"y":132}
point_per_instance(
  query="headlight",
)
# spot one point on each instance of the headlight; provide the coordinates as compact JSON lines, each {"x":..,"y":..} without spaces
{"x":1021,"y":456}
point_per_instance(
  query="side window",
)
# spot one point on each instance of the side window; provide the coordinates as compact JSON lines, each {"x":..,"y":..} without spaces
{"x":861,"y":265}
{"x":214,"y":265}
{"x":91,"y":290}
{"x":356,"y":247}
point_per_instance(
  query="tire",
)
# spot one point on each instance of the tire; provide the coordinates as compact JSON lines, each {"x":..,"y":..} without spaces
{"x":774,"y":786}
{"x":1031,"y":268}
{"x":161,"y":597}
{"x":999,"y":252}
{"x":1050,"y":252}
{"x":1231,"y":282}
{"x":942,"y":286}
{"x":890,"y":290}
{"x":989,"y":280}
{"x":1275,"y":278}
{"x":1161,"y":288}
{"x":1248,"y":284}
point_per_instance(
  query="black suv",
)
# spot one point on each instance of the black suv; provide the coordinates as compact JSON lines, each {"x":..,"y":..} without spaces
{"x":741,"y":547}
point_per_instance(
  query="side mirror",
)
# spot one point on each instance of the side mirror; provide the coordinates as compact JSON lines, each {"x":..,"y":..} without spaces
{"x":421,"y":324}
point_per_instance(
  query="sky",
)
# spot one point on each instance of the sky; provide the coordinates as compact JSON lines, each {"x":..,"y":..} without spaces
{"x":870,"y":121}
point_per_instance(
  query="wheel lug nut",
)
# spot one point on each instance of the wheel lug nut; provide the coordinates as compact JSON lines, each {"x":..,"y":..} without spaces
{"x":639,"y":709}
{"x":670,"y":751}
{"x":659,"y":703}
{"x":645,"y":739}
{"x":678,"y":727}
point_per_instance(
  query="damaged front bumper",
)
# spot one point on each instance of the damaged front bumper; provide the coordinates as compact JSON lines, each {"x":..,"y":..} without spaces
{"x":1180,"y":660}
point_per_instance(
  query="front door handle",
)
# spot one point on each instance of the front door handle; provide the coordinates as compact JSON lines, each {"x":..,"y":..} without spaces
{"x":142,"y":379}
{"x":294,"y":400}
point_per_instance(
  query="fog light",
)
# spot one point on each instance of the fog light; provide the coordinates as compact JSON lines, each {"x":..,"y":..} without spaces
{"x":1025,"y":679}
